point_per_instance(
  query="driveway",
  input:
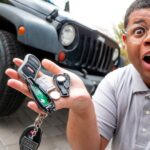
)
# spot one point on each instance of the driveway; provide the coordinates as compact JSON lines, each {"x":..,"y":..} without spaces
{"x":54,"y":137}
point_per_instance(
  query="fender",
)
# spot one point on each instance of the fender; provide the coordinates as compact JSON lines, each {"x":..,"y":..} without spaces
{"x":36,"y":34}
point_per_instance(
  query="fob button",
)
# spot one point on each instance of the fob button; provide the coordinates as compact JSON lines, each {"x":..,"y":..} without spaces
{"x":61,"y":78}
{"x":55,"y":95}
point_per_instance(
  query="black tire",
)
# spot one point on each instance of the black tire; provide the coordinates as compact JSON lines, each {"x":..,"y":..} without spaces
{"x":10,"y":99}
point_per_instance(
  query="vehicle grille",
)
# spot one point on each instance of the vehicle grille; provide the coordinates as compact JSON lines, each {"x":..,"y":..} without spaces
{"x":95,"y":55}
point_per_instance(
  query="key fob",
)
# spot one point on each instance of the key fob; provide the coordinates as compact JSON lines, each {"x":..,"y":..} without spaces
{"x":62,"y":81}
{"x":30,"y":67}
{"x":41,"y":98}
{"x":27,"y":142}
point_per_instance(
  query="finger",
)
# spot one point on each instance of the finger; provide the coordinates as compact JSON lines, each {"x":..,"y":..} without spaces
{"x":12,"y":74}
{"x":39,"y":74}
{"x":32,"y":105}
{"x":17,"y":61}
{"x":61,"y":103}
{"x":19,"y":86}
{"x":52,"y":67}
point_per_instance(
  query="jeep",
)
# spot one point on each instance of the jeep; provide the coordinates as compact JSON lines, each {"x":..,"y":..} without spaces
{"x":42,"y":28}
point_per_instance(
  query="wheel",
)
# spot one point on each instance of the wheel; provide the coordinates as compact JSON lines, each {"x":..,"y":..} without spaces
{"x":10,"y":99}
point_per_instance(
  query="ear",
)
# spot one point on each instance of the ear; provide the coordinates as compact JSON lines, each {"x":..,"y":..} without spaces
{"x":124,"y":39}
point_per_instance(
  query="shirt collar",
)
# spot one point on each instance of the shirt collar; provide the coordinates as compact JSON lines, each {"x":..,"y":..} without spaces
{"x":138,"y":84}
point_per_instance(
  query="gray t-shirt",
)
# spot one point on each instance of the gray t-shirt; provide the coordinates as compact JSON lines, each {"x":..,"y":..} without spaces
{"x":122,"y":106}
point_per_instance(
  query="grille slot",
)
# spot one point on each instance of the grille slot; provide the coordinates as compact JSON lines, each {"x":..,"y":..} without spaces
{"x":95,"y":55}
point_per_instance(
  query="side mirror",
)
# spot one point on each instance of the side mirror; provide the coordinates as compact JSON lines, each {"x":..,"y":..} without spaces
{"x":67,"y":7}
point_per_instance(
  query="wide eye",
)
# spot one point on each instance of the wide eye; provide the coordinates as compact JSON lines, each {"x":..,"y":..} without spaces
{"x":139,"y":32}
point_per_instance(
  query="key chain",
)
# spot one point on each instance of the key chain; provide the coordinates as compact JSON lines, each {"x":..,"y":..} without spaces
{"x":31,"y":136}
{"x":44,"y":94}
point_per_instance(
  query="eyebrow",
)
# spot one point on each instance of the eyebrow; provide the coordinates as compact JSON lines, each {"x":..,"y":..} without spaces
{"x":136,"y":22}
{"x":139,"y":21}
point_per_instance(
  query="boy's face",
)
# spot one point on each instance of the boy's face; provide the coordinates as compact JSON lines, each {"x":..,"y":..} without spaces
{"x":137,"y":42}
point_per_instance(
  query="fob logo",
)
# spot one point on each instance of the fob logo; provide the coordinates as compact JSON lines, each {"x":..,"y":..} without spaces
{"x":28,"y":144}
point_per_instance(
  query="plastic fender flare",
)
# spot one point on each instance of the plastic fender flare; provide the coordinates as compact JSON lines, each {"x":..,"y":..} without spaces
{"x":36,"y":34}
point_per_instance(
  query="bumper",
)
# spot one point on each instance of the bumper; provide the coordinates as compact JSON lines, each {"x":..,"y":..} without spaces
{"x":91,"y":81}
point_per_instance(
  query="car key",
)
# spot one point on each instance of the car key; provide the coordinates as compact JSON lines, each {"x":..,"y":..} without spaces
{"x":62,"y":81}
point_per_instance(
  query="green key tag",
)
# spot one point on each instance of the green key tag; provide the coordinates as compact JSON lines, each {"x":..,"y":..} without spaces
{"x":39,"y":94}
{"x":41,"y":98}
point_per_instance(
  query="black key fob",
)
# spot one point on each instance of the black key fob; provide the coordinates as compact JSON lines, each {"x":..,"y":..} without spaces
{"x":62,"y":81}
{"x":28,"y":141}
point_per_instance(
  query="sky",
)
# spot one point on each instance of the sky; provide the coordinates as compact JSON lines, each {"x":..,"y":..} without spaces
{"x":101,"y":13}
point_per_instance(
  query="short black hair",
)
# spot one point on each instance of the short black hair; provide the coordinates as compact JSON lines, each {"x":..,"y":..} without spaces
{"x":137,"y":4}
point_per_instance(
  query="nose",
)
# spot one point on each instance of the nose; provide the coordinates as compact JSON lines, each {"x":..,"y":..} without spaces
{"x":147,"y":38}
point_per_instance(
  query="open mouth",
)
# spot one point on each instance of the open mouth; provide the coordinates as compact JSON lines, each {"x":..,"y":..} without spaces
{"x":147,"y":59}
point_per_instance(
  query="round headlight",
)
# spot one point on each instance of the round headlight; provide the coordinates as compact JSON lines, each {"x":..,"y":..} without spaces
{"x":115,"y":54}
{"x":67,"y":35}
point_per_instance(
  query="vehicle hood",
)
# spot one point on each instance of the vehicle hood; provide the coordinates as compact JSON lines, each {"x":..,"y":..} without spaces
{"x":46,"y":8}
{"x":37,"y":5}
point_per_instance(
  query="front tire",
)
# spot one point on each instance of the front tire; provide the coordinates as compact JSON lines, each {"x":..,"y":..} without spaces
{"x":10,"y":99}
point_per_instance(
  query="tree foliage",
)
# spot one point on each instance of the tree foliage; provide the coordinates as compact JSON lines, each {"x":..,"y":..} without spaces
{"x":118,"y":31}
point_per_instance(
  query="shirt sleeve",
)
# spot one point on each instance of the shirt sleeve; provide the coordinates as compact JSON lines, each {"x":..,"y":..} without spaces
{"x":106,"y":106}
